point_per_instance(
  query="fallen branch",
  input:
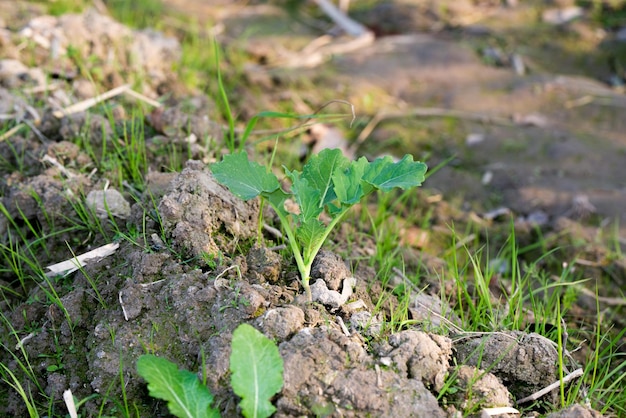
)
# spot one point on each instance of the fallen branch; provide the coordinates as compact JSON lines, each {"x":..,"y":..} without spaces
{"x":491,"y":412}
{"x":68,"y":398}
{"x":88,"y":103}
{"x":119,"y":297}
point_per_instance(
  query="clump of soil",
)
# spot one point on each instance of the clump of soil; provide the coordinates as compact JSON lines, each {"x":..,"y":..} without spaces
{"x":71,"y":43}
{"x":202,"y":217}
{"x":525,"y":363}
{"x":328,"y":372}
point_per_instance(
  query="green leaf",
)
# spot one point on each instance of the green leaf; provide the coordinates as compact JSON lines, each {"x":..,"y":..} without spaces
{"x":307,"y":197}
{"x":384,"y":174}
{"x":319,"y":170}
{"x":347,"y":182}
{"x":246,"y":179}
{"x":185,"y":395}
{"x":257,"y":371}
{"x":310,"y":234}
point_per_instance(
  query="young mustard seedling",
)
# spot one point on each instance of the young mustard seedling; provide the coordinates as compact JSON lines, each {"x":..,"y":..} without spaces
{"x":329,"y":182}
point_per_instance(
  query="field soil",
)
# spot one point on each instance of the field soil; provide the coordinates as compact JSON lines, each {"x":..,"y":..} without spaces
{"x":529,"y":135}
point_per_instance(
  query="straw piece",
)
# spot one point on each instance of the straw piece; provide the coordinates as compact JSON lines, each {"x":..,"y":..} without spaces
{"x":86,"y":104}
{"x":69,"y":266}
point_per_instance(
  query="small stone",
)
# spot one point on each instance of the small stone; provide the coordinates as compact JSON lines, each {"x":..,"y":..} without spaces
{"x":331,"y":268}
{"x":108,"y":202}
{"x":432,"y":312}
{"x":264,"y":264}
{"x":517,"y":62}
{"x":525,"y":362}
{"x":12,"y":73}
{"x":474,"y":139}
{"x":365,"y":323}
{"x":487,"y":391}
{"x":562,"y":16}
{"x":282,"y":322}
{"x":575,"y":411}
{"x":84,"y":89}
{"x":331,"y":298}
{"x":421,"y":356}
{"x":487,"y":177}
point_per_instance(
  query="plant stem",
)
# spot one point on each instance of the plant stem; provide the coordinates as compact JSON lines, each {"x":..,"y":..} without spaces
{"x":303,"y":268}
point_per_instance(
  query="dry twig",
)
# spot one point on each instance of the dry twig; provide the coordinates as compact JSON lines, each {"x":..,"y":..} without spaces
{"x":323,"y":47}
{"x":576,"y":373}
{"x":86,"y":104}
{"x":11,"y":132}
{"x":429,"y":112}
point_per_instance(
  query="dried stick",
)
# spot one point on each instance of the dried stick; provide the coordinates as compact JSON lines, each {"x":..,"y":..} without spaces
{"x":349,"y":26}
{"x":321,"y":48}
{"x":53,"y":161}
{"x":86,"y":104}
{"x":143,"y":98}
{"x":11,"y":132}
{"x":576,"y":373}
{"x":428,"y":112}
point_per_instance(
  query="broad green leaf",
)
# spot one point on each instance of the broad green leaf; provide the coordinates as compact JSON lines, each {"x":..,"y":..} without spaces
{"x":319,"y":170}
{"x":246,"y":179}
{"x":257,"y":371}
{"x":186,"y":397}
{"x":384,"y":174}
{"x":347,"y":182}
{"x":307,"y":197}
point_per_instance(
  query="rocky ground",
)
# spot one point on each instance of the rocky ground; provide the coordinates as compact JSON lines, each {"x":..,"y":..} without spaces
{"x":541,"y":145}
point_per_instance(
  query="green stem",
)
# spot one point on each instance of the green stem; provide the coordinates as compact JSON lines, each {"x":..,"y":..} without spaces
{"x":303,"y":268}
{"x":259,"y":227}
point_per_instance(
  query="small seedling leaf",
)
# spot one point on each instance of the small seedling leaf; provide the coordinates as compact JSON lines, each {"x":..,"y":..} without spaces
{"x":186,"y":397}
{"x":257,"y":371}
{"x":348,"y":184}
{"x":246,"y":179}
{"x":310,"y":234}
{"x":384,"y":174}
{"x":319,"y":171}
{"x":307,"y":197}
{"x":329,"y":182}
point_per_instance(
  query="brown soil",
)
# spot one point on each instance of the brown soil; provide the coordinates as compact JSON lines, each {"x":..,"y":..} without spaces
{"x":545,"y":149}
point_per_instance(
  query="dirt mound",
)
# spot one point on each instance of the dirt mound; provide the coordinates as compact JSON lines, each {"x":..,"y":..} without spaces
{"x":187,"y":312}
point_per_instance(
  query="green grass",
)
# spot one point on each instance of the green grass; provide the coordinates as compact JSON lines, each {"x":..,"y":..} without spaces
{"x":505,"y":288}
